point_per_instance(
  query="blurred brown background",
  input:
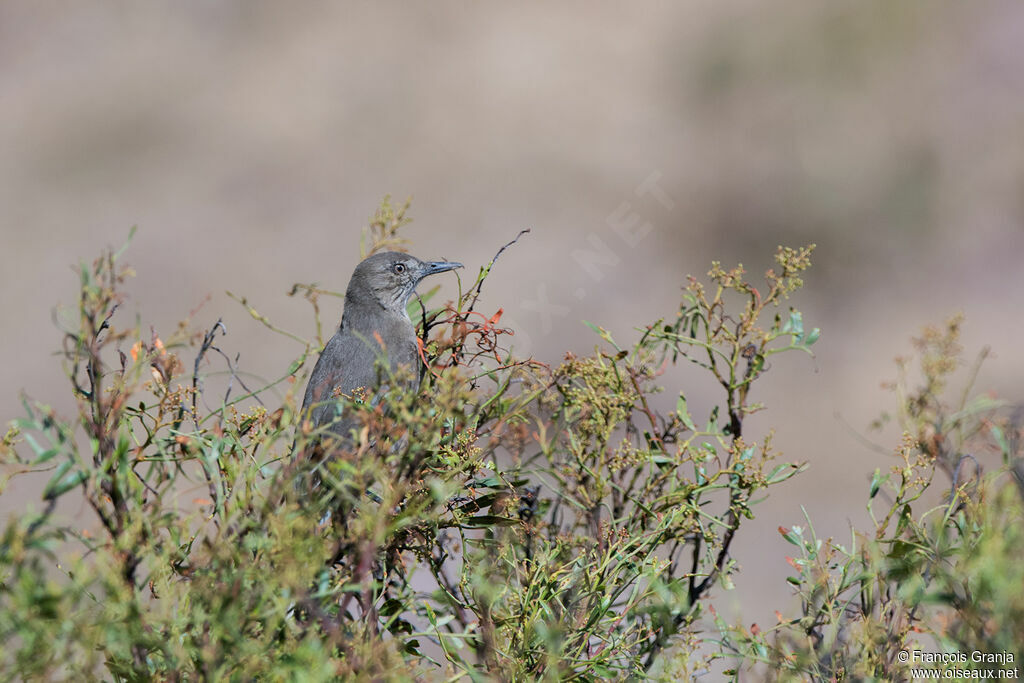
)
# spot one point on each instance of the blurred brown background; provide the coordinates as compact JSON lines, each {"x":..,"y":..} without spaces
{"x":250,"y":141}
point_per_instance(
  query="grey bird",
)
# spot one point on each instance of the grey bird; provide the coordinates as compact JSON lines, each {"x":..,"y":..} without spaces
{"x":375,"y":313}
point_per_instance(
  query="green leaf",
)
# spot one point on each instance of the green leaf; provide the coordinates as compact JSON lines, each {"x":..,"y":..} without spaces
{"x":131,"y":234}
{"x":432,"y":617}
{"x":782,"y":473}
{"x":712,"y":427}
{"x":684,"y":413}
{"x":496,"y":483}
{"x":292,"y":369}
{"x":42,"y":454}
{"x":795,"y":324}
{"x":481,"y":521}
{"x":904,"y":519}
{"x":603,"y":333}
{"x":482,"y":502}
{"x":63,"y":481}
{"x":877,"y":479}
{"x":708,"y":452}
{"x":695,"y":324}
{"x":791,"y":536}
{"x":391,"y":607}
{"x":1000,"y":439}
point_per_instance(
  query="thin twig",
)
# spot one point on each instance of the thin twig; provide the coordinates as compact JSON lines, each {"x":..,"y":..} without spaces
{"x":45,"y":516}
{"x":955,"y":484}
{"x":866,"y":442}
{"x":204,"y":347}
{"x":490,"y":265}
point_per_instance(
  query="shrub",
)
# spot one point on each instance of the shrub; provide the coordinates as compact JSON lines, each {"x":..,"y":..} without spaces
{"x":508,"y":520}
{"x":939,"y":571}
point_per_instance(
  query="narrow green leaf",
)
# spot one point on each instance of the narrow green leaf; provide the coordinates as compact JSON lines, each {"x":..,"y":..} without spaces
{"x":480,"y":503}
{"x":684,"y":413}
{"x":63,"y":481}
{"x":1000,"y":439}
{"x":795,"y":324}
{"x":42,"y":454}
{"x":488,"y":520}
{"x":877,"y":479}
{"x":791,"y":536}
{"x":131,"y":234}
{"x":712,"y":427}
{"x":782,"y":473}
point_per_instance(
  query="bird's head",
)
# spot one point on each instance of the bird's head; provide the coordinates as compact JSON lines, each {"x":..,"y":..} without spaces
{"x":390,"y":277}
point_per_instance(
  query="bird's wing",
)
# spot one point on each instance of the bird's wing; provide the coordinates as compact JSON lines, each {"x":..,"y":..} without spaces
{"x":349,"y":361}
{"x":345,"y":364}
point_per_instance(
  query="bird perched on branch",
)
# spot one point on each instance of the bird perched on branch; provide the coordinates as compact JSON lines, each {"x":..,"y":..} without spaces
{"x":374,"y":325}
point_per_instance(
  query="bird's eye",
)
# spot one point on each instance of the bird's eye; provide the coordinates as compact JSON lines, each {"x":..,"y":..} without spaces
{"x":399,"y":268}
